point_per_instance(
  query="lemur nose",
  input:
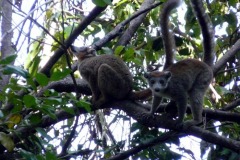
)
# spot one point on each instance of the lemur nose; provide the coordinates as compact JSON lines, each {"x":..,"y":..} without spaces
{"x":157,"y":90}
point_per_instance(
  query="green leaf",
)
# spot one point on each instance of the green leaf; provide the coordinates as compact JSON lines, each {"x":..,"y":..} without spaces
{"x":33,"y":68}
{"x":13,"y":120}
{"x":10,"y":69}
{"x":9,"y":59}
{"x":53,"y":101}
{"x":100,"y":3}
{"x":29,"y":101}
{"x":50,"y":155}
{"x":231,"y":18}
{"x":31,"y":83}
{"x":43,"y":133}
{"x":107,"y":50}
{"x":49,"y":110}
{"x":58,"y":75}
{"x":42,"y":79}
{"x":27,"y":155}
{"x":118,"y":50}
{"x":233,"y":3}
{"x":40,"y":157}
{"x":129,"y":54}
{"x":69,"y":110}
{"x":35,"y":118}
{"x":137,"y":61}
{"x":85,"y":105}
{"x":68,"y":30}
{"x":6,"y":141}
{"x":33,"y":59}
{"x":109,"y":2}
{"x":207,"y":102}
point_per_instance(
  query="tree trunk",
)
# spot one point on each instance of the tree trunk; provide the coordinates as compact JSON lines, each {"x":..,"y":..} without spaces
{"x":6,"y":36}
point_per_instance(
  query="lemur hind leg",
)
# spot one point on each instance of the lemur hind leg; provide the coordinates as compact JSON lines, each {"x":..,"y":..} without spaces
{"x":111,"y":85}
{"x":196,"y":102}
{"x":196,"y":97}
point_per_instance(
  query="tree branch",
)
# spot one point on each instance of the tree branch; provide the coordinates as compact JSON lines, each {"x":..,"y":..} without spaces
{"x":76,"y":32}
{"x":67,"y":85}
{"x":69,"y":139}
{"x":232,"y":105}
{"x":131,"y":30}
{"x":226,"y":57}
{"x":137,"y":112}
{"x":77,"y":153}
{"x":117,"y":30}
{"x":140,"y":113}
{"x":161,"y":139}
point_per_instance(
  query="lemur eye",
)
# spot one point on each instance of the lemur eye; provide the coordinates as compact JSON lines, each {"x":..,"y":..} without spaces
{"x":161,"y":81}
{"x":152,"y":81}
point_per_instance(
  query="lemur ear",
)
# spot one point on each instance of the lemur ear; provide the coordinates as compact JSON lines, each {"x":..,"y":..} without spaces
{"x":92,"y":51}
{"x":146,"y":75}
{"x":168,"y":74}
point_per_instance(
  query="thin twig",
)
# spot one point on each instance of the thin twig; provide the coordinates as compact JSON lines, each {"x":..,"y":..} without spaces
{"x":27,"y":16}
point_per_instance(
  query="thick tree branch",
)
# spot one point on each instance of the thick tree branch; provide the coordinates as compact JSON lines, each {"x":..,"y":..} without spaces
{"x":76,"y":32}
{"x":140,"y":113}
{"x":135,"y":111}
{"x":131,"y":30}
{"x":232,"y":105}
{"x":222,"y":116}
{"x":118,"y":29}
{"x":66,"y":85}
{"x":226,"y":57}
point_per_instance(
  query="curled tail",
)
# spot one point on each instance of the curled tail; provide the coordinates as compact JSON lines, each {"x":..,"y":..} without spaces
{"x":167,"y":35}
{"x":140,"y":95}
{"x":207,"y":31}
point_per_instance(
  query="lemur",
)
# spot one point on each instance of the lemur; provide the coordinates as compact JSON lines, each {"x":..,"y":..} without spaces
{"x":108,"y":76}
{"x":186,"y":79}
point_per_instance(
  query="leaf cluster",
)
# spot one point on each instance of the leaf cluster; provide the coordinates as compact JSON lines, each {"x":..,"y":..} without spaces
{"x":46,"y":110}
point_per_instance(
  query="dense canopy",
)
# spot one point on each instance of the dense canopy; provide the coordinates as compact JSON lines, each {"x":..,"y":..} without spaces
{"x":46,"y":110}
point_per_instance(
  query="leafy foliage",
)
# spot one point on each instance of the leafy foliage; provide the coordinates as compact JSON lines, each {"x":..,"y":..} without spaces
{"x":49,"y":116}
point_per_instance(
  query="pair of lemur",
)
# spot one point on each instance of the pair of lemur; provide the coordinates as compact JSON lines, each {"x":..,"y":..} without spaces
{"x":109,"y":77}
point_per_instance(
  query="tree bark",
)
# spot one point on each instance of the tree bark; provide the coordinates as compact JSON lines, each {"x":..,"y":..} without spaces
{"x":6,"y":48}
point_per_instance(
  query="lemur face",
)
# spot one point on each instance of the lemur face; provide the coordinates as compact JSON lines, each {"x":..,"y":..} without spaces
{"x":158,"y":81}
{"x":83,"y":52}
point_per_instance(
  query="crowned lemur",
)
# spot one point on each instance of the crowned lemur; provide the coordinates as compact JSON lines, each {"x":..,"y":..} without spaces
{"x":186,"y":79}
{"x":108,"y":76}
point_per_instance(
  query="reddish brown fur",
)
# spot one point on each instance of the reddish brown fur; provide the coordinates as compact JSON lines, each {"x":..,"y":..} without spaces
{"x":156,"y":74}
